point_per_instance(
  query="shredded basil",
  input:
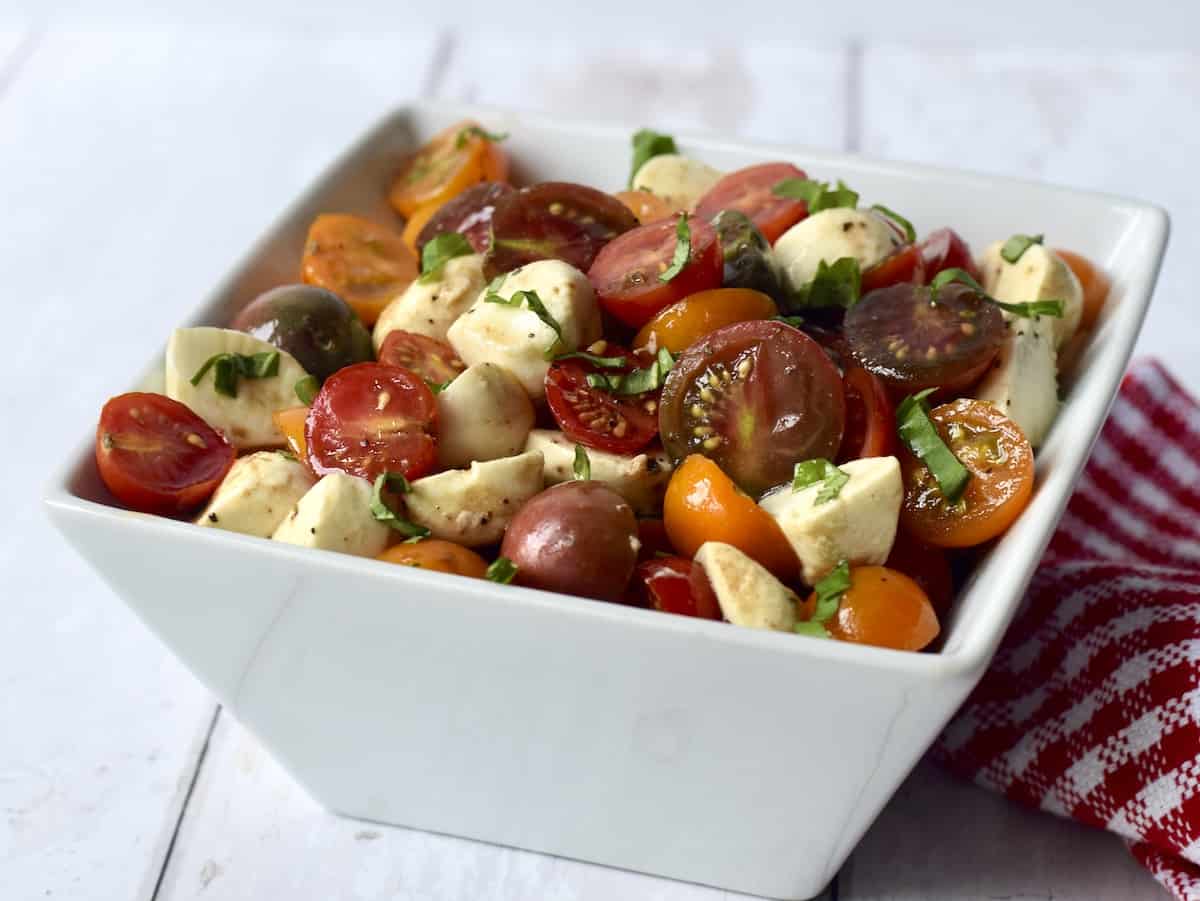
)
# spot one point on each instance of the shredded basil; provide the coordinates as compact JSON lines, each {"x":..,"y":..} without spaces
{"x":1014,"y":248}
{"x":910,"y":233}
{"x":385,"y":514}
{"x":306,"y":389}
{"x":837,"y":284}
{"x":793,"y":321}
{"x":648,"y":143}
{"x":583,"y":466}
{"x":229,"y":367}
{"x":1030,"y":310}
{"x":502,"y":571}
{"x":598,"y":361}
{"x":829,"y":591}
{"x":683,"y":249}
{"x":474,"y":131}
{"x":440,"y":251}
{"x":820,"y":470}
{"x":531,"y":299}
{"x":817,"y":195}
{"x":920,"y":435}
{"x":439,"y":387}
{"x":639,"y":381}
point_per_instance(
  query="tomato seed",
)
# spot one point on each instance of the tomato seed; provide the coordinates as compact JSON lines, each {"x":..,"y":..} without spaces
{"x":195,"y":440}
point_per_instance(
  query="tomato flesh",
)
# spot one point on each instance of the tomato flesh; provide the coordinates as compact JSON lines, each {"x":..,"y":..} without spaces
{"x":469,"y":214}
{"x":757,"y":397}
{"x":626,"y":272}
{"x":454,"y":160}
{"x":370,"y":418}
{"x":750,"y":191}
{"x":156,"y":456}
{"x":945,"y":249}
{"x":433,"y":360}
{"x":905,"y":265}
{"x":593,"y":417}
{"x":665,"y":584}
{"x":870,"y":421}
{"x":683,"y":323}
{"x":364,"y":263}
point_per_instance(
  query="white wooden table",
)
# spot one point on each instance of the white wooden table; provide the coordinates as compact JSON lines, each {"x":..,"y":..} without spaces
{"x":136,"y":164}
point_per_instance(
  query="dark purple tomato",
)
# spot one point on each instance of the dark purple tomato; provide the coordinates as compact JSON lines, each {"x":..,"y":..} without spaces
{"x":469,"y":214}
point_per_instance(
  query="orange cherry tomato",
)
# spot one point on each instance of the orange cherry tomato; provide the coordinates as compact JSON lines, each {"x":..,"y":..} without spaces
{"x":703,"y":504}
{"x":364,"y":263}
{"x":646,"y":206}
{"x":290,"y":422}
{"x":870,"y":421}
{"x":1095,"y":283}
{"x":437,"y":555}
{"x":882,"y":607}
{"x":683,"y":323}
{"x":997,"y":454}
{"x":454,"y":160}
{"x":417,"y":221}
{"x":926,"y":565}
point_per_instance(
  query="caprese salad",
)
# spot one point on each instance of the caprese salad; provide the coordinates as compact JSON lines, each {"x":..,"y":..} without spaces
{"x":742,"y":395}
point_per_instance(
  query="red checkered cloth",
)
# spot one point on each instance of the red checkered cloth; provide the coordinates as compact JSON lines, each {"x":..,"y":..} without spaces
{"x":1091,"y":709}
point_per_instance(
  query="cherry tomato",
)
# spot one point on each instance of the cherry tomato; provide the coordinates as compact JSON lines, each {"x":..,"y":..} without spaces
{"x":927,"y":566}
{"x":290,"y":422}
{"x":626,"y":272}
{"x":681,"y":324}
{"x":749,"y":191}
{"x":883,"y":608}
{"x":437,"y":555}
{"x":870,"y":420}
{"x":433,"y":360}
{"x":556,"y":221}
{"x":646,"y":206}
{"x":903,"y":266}
{"x":415,"y":223}
{"x":469,"y":214}
{"x":945,"y":249}
{"x":665,"y":584}
{"x":368,"y":419}
{"x":362,"y":262}
{"x":620,"y":424}
{"x":449,"y":164}
{"x":703,"y":504}
{"x":913,"y":344}
{"x":1095,"y":286}
{"x":1000,"y":460}
{"x":757,"y":397}
{"x":157,"y":456}
{"x":652,"y":535}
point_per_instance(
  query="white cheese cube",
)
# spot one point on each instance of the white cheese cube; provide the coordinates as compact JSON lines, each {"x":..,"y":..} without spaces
{"x":483,"y":414}
{"x":256,"y":494}
{"x":679,"y":180}
{"x":829,"y":236}
{"x":1039,"y":274}
{"x":335,"y":515}
{"x":640,"y":478}
{"x":429,"y":308}
{"x":748,"y":594}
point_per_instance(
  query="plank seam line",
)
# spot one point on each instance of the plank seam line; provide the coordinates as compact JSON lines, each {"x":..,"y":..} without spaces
{"x":11,"y":70}
{"x":439,"y":65}
{"x":854,"y":95}
{"x":187,"y":799}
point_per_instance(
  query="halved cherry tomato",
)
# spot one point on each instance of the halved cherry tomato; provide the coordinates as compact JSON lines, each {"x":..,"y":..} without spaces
{"x":757,"y":397}
{"x":646,"y":206}
{"x":903,"y":266}
{"x":1000,"y":460}
{"x":290,"y":422}
{"x":437,"y":555}
{"x":1095,"y":283}
{"x":364,"y":263}
{"x":870,"y":420}
{"x":415,"y":223}
{"x":454,"y":160}
{"x":652,"y":536}
{"x":157,"y":456}
{"x":703,"y":504}
{"x":433,"y":360}
{"x":665,"y":584}
{"x":554,"y":221}
{"x":927,"y":566}
{"x":749,"y":191}
{"x":368,"y":419}
{"x":913,"y":344}
{"x":884,"y":608}
{"x":626,"y":272}
{"x":945,"y":249}
{"x":681,"y":324}
{"x":620,"y":424}
{"x":469,"y":214}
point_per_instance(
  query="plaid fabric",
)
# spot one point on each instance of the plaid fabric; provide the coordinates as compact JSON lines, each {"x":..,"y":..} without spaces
{"x":1091,"y":709}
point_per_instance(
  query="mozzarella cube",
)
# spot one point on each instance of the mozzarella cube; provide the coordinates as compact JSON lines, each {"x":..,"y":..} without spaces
{"x":859,"y":525}
{"x":829,"y":236}
{"x":246,"y":419}
{"x":335,"y":515}
{"x":748,"y":594}
{"x":1039,"y":274}
{"x":483,"y":414}
{"x":256,"y":494}
{"x":640,"y":478}
{"x":474,"y":506}
{"x":515,"y":337}
{"x":677,"y":179}
{"x":1023,"y":379}
{"x":429,"y":308}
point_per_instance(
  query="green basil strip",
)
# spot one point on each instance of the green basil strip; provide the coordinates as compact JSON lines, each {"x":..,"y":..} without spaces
{"x":306,"y":389}
{"x":440,"y":251}
{"x":1031,"y":310}
{"x":637,"y":382}
{"x":683,"y":249}
{"x":829,"y":591}
{"x":385,"y":514}
{"x":919,"y":434}
{"x":817,"y":195}
{"x":793,"y":321}
{"x":583,"y":466}
{"x":819,"y":470}
{"x":648,"y":143}
{"x":601,"y":362}
{"x":460,"y":140}
{"x":837,"y":284}
{"x":229,"y":367}
{"x":501,"y":571}
{"x":910,"y":233}
{"x":1014,"y":248}
{"x":531,"y":299}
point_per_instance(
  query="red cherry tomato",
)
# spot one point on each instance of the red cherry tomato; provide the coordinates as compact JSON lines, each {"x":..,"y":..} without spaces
{"x":433,"y":360}
{"x":626,"y":272}
{"x":749,"y":191}
{"x":702,"y":592}
{"x":620,"y":424}
{"x":652,"y":535}
{"x":368,"y":419}
{"x":469,"y":214}
{"x":905,"y":265}
{"x":927,"y":566}
{"x":870,"y":419}
{"x":665,"y":584}
{"x":756,"y":397}
{"x":157,"y":456}
{"x":945,"y":249}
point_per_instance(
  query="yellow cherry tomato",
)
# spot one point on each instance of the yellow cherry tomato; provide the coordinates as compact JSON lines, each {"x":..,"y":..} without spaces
{"x":683,"y":323}
{"x":439,"y":556}
{"x":459,"y":157}
{"x":882,"y":607}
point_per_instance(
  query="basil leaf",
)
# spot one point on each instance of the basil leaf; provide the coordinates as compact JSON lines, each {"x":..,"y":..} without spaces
{"x":439,"y":387}
{"x":793,"y":321}
{"x":465,"y":134}
{"x":639,"y":381}
{"x":385,"y":514}
{"x":683,"y":249}
{"x":306,"y":389}
{"x":1030,"y":310}
{"x":583,"y":466}
{"x":819,"y":470}
{"x":648,"y":143}
{"x":812,"y":629}
{"x":229,"y":367}
{"x":531,"y":299}
{"x":835,"y":285}
{"x":601,"y":362}
{"x":440,"y":251}
{"x":910,"y":233}
{"x":1014,"y":248}
{"x":830,"y":591}
{"x":288,"y":455}
{"x":501,"y":571}
{"x":817,"y":195}
{"x":919,"y":434}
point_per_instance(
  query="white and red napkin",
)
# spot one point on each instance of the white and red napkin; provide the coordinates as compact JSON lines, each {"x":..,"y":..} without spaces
{"x":1091,"y":709}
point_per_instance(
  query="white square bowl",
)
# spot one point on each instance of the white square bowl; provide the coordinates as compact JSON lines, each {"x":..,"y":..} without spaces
{"x":748,"y":760}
